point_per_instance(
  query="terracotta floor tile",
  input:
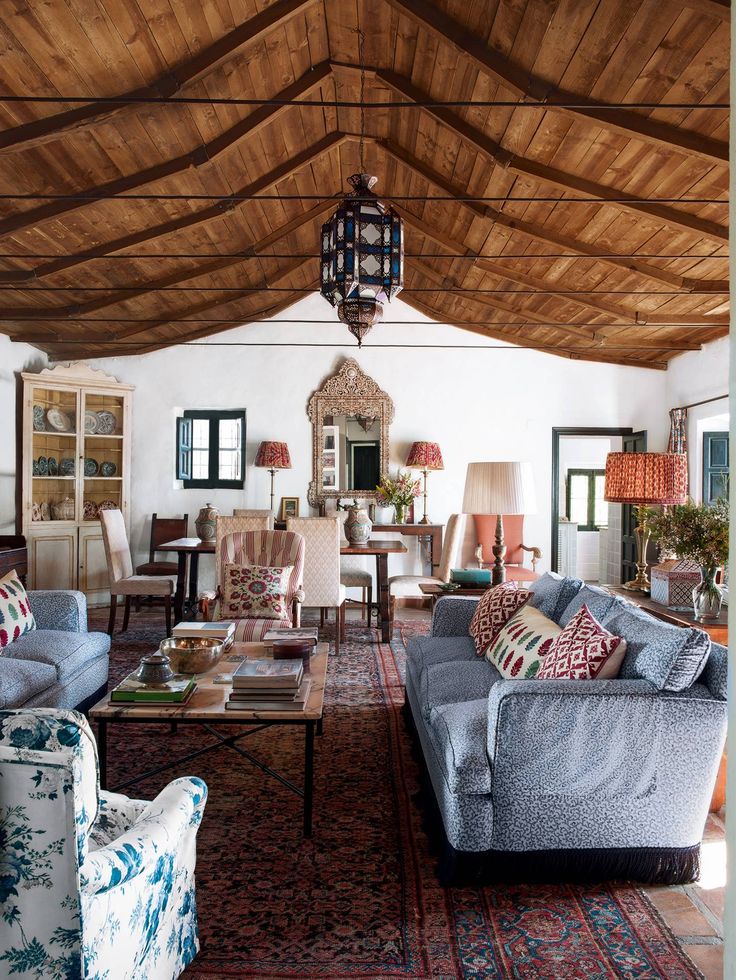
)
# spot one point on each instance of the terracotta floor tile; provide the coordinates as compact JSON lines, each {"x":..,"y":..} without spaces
{"x":714,"y":898}
{"x":683,"y":918}
{"x":708,"y":959}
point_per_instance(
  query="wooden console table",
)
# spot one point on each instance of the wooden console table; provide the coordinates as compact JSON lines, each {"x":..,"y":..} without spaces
{"x":433,"y":533}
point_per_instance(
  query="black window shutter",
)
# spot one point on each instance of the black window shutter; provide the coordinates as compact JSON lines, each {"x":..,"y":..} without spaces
{"x":183,"y":449}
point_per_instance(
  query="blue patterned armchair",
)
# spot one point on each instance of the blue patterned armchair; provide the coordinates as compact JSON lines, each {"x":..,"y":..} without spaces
{"x":92,"y":884}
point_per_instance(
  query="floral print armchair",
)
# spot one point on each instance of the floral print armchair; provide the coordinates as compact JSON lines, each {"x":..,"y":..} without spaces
{"x":92,"y":884}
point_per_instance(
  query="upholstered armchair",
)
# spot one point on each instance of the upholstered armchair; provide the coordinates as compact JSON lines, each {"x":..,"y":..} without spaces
{"x":513,"y":529}
{"x":93,"y":884}
{"x":272,"y":549}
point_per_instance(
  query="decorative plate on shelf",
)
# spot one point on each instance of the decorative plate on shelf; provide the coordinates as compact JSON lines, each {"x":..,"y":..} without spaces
{"x":66,"y":467}
{"x":108,"y":468}
{"x":59,"y":420}
{"x":45,"y":511}
{"x":43,"y":466}
{"x":90,"y":511}
{"x":90,"y":422}
{"x":107,"y":505}
{"x":39,"y":419}
{"x":35,"y":468}
{"x":106,"y":423}
{"x":91,"y":467}
{"x":53,"y":466}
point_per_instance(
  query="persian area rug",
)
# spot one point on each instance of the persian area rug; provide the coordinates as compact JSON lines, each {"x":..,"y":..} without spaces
{"x":361,"y":899}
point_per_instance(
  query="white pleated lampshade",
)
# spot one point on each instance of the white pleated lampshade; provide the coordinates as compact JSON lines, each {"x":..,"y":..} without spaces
{"x":499,"y":488}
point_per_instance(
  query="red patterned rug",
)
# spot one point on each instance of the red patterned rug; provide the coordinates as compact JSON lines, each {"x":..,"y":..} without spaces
{"x":361,"y":898}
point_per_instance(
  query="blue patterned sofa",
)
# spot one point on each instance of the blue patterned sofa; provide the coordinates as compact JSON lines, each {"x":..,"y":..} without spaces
{"x":94,"y":885}
{"x":59,"y":664}
{"x":569,"y":780}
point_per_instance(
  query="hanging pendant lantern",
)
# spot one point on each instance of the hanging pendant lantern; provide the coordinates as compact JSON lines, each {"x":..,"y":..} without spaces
{"x":362,"y":257}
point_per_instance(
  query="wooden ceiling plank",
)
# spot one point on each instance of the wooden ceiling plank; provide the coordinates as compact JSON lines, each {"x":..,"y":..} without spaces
{"x":166,"y":86}
{"x":526,"y":86}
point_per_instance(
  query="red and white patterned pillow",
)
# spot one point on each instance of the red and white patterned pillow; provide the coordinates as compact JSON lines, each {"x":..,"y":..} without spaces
{"x":16,"y":617}
{"x":255,"y":592}
{"x":494,"y":610}
{"x":583,"y":651}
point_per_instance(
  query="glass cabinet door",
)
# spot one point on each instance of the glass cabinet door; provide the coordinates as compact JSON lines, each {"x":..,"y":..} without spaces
{"x":54,"y":455}
{"x":103,"y":418}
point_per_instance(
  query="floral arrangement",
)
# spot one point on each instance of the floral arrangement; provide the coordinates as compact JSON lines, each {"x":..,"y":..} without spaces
{"x":399,"y":492}
{"x":695,"y":531}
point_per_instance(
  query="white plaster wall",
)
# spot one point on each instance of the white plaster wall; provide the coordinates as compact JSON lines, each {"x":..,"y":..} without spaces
{"x":14,"y":358}
{"x":487,"y":403}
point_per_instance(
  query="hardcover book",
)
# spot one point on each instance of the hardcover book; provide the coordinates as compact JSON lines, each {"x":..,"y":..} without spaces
{"x":268,"y":673}
{"x":296,"y":703}
{"x":219,"y":630}
{"x":302,"y":633}
{"x":174,"y":691}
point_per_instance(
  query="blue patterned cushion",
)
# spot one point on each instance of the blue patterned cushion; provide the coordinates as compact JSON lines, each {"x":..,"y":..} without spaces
{"x":459,"y":734}
{"x":670,"y":657}
{"x":424,"y":651}
{"x":454,"y":682}
{"x":553,"y":592}
{"x":597,"y":600}
{"x":715,"y":672}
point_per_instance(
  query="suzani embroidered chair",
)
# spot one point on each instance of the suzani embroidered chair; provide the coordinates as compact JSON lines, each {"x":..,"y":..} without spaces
{"x":94,"y":885}
{"x":265,"y":549}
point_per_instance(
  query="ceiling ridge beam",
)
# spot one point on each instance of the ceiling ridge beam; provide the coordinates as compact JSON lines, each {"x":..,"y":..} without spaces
{"x":171,"y":83}
{"x":527,"y":86}
{"x":542,"y":173}
{"x":284,"y":170}
{"x":484,"y":212}
{"x":199,"y":157}
{"x":76,"y":310}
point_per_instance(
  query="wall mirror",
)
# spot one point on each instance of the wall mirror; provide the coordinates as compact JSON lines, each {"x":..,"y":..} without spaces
{"x":350,"y":418}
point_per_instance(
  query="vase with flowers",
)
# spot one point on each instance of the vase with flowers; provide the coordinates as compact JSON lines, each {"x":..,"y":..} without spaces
{"x":399,"y":492}
{"x":698,"y":532}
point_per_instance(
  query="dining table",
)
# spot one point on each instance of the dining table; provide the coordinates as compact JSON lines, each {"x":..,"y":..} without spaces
{"x":188,"y":551}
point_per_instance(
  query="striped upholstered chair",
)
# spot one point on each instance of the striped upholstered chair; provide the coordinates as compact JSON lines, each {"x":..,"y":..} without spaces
{"x":273,"y":549}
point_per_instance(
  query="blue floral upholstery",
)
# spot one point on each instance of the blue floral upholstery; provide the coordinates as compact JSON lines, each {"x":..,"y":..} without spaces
{"x":598,"y":601}
{"x":452,"y":615}
{"x":552,"y":593}
{"x":64,"y":610}
{"x":93,"y":885}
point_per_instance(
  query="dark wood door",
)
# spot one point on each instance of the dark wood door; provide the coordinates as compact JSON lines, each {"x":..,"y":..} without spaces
{"x":635,"y":443}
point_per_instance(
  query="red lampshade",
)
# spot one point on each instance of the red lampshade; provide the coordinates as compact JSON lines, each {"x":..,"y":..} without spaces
{"x":273,"y":456}
{"x":646,"y":478}
{"x":425,"y":456}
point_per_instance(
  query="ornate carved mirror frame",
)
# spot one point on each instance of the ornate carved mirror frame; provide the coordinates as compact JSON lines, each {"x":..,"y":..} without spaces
{"x":349,"y":392}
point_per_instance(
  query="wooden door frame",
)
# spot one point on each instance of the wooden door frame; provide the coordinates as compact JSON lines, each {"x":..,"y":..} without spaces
{"x":557,"y":433}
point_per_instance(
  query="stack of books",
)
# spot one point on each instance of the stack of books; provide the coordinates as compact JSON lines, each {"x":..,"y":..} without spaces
{"x":176,"y":691}
{"x":307,"y":634}
{"x":269,"y":685}
{"x":224,"y":630}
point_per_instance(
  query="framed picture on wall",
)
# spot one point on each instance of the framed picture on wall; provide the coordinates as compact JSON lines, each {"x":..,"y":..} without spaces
{"x":289,"y":508}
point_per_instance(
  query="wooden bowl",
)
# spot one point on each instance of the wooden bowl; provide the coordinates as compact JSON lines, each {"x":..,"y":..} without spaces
{"x":192,"y":654}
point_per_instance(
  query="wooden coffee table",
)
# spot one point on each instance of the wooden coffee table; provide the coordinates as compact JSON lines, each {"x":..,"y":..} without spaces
{"x":206,"y":707}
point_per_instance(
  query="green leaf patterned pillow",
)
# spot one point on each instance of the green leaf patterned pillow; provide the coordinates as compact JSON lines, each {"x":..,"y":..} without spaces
{"x":521,"y":646}
{"x":16,"y":617}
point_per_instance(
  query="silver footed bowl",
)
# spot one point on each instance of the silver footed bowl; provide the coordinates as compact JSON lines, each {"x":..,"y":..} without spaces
{"x":192,"y":654}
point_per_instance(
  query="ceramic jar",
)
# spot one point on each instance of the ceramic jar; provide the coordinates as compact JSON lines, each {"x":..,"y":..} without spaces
{"x":358,"y":525}
{"x":206,"y":522}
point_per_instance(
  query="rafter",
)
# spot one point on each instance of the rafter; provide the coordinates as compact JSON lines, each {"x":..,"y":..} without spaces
{"x":202,"y":156}
{"x":542,"y":173}
{"x":527,"y":86}
{"x":165,"y":86}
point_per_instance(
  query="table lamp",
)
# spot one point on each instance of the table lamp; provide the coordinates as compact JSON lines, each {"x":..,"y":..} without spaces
{"x":499,"y":488}
{"x":642,"y":479}
{"x":273,"y":456}
{"x":425,"y":456}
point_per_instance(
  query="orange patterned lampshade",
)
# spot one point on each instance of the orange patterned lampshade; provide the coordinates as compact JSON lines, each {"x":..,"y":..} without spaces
{"x":273,"y":456}
{"x":646,"y":478}
{"x":425,"y":456}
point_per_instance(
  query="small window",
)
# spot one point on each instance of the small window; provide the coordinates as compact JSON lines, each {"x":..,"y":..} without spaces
{"x":210,"y":449}
{"x":715,"y":466}
{"x":585,"y":504}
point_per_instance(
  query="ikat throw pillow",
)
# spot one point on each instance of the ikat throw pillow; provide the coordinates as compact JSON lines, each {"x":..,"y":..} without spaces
{"x":494,"y":610}
{"x":255,"y":592}
{"x":521,"y":646}
{"x":16,"y":617}
{"x":584,"y":651}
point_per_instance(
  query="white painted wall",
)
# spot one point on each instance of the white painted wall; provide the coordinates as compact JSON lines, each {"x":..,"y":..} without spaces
{"x":14,"y":358}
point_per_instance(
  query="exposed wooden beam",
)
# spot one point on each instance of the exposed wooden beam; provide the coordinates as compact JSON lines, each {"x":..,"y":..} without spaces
{"x":520,"y":82}
{"x":268,"y":180}
{"x":711,"y":8}
{"x":542,"y":173}
{"x":200,"y":157}
{"x":165,"y":86}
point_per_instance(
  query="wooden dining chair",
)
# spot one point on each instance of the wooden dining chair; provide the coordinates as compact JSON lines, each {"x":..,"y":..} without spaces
{"x":163,"y":529}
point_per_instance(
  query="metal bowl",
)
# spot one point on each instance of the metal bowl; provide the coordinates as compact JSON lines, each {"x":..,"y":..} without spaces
{"x":192,"y":654}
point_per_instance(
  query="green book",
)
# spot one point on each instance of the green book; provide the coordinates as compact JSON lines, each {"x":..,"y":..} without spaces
{"x":174,"y":691}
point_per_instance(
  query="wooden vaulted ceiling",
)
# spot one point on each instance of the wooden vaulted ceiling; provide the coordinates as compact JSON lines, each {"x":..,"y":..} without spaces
{"x":567,"y":258}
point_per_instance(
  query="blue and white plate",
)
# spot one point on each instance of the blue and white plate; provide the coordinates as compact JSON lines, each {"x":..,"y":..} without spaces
{"x":106,"y":423}
{"x":91,"y":467}
{"x":43,"y":466}
{"x":108,"y":468}
{"x":53,"y":466}
{"x":39,"y":418}
{"x":66,"y":467}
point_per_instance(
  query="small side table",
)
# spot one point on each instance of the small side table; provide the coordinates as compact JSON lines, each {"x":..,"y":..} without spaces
{"x":435,"y":592}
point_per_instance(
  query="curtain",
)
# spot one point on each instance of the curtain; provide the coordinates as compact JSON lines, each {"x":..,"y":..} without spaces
{"x":678,"y":431}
